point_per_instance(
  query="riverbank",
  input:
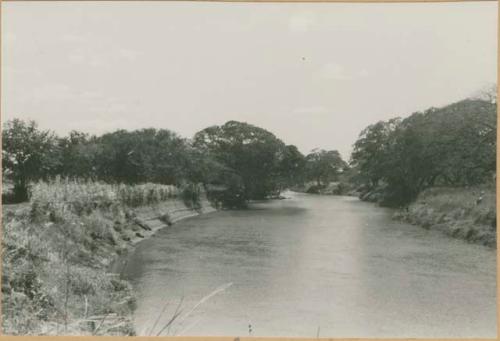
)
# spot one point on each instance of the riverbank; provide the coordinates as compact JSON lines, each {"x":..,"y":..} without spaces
{"x":60,"y":247}
{"x":154,"y":218}
{"x":464,"y":213}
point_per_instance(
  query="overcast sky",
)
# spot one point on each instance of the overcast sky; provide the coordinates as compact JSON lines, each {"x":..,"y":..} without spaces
{"x":313,"y":74}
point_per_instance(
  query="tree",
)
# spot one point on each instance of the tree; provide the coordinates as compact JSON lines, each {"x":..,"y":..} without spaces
{"x":28,"y":154}
{"x":371,"y":151}
{"x":324,"y":166}
{"x":452,"y":146}
{"x":251,"y":153}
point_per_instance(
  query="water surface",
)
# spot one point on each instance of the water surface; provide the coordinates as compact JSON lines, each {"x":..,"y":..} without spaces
{"x":309,"y":265}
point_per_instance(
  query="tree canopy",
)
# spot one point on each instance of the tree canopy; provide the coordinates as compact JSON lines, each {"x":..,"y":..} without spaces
{"x":254,"y":155}
{"x":452,"y":146}
{"x":243,"y":161}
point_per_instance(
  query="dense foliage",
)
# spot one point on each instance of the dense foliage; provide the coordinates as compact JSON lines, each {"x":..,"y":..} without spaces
{"x":451,"y":146}
{"x":398,"y":158}
{"x":236,"y":161}
{"x":257,"y":162}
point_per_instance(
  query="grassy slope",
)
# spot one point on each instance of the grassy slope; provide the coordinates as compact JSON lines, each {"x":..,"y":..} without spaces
{"x":465,"y":213}
{"x":57,"y":251}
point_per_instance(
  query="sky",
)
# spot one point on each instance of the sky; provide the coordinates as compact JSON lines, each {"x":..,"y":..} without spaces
{"x":313,"y":74}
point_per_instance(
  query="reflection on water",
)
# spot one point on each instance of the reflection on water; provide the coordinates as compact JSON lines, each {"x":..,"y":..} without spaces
{"x":310,"y":264}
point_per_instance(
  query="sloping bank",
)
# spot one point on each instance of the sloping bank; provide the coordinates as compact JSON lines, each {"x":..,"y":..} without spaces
{"x":58,"y":252}
{"x":151,"y":218}
{"x":465,"y":213}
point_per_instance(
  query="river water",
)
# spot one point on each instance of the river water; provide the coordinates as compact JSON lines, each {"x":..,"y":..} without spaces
{"x":311,"y":265}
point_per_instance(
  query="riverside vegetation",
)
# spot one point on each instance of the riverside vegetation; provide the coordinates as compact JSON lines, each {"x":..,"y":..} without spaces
{"x":437,"y":166}
{"x":57,"y":252}
{"x":465,"y":213}
{"x":79,"y":200}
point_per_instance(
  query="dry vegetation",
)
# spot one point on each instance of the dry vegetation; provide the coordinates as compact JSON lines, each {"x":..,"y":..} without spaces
{"x":58,"y":248}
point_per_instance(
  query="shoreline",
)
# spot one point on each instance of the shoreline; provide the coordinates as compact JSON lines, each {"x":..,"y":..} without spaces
{"x":150,"y":220}
{"x":88,"y":268}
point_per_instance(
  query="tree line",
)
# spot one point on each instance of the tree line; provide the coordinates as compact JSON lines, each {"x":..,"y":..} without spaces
{"x":397,"y":159}
{"x":236,"y":161}
{"x":453,"y":146}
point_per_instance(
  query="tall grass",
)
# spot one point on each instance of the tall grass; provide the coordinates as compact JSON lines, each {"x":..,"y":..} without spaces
{"x":85,"y":196}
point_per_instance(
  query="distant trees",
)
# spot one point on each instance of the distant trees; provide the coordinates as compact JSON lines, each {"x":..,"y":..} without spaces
{"x":146,"y":155}
{"x":452,"y":146}
{"x":241,"y":160}
{"x":324,"y":166}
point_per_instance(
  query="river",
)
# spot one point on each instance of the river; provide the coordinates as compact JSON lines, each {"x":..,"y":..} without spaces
{"x":311,"y":265}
